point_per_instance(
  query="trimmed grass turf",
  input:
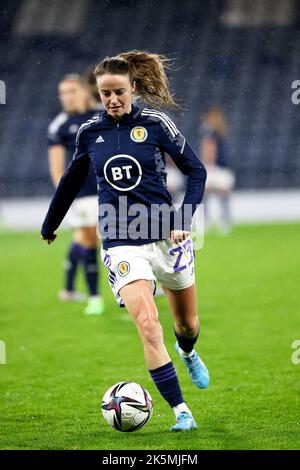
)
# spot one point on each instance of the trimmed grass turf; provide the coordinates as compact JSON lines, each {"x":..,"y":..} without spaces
{"x":60,"y":362}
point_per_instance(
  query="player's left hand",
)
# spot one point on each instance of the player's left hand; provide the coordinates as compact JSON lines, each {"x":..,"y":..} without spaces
{"x":49,"y":240}
{"x":178,"y":236}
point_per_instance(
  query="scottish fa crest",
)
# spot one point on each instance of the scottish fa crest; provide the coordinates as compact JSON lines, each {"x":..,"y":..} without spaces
{"x":138,"y":134}
{"x":123,"y":268}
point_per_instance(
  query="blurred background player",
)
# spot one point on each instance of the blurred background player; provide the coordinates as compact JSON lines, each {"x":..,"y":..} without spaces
{"x":220,"y":179}
{"x":79,"y":104}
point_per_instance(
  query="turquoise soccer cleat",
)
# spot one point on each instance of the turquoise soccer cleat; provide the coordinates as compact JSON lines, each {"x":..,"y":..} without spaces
{"x":197,"y":369}
{"x":184,"y":422}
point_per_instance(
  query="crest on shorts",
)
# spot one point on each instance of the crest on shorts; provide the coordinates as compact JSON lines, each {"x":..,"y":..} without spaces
{"x":123,"y":268}
{"x":138,"y":134}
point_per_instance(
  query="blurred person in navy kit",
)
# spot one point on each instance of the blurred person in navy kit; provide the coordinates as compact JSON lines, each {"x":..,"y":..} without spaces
{"x":213,"y":153}
{"x":127,"y":146}
{"x":78,"y":106}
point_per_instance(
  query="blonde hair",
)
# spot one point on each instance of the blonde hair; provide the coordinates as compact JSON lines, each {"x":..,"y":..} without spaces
{"x":147,"y":70}
{"x":216,"y":119}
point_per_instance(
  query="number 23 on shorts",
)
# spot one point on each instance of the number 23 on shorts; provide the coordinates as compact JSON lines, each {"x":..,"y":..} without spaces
{"x":184,"y":248}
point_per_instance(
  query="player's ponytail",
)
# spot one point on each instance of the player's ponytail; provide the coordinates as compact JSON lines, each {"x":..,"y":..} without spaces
{"x":147,"y":70}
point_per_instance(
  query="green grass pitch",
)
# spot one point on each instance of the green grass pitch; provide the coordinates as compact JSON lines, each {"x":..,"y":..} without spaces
{"x":60,"y":362}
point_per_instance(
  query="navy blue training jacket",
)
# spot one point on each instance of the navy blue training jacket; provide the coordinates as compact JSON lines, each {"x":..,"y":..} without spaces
{"x":128,"y":158}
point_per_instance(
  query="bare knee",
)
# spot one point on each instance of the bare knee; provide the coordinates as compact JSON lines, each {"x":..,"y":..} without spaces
{"x":151,"y":331}
{"x":148,"y":324}
{"x":188,"y":326}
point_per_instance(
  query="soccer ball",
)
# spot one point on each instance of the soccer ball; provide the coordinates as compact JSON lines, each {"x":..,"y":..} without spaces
{"x":126,"y":406}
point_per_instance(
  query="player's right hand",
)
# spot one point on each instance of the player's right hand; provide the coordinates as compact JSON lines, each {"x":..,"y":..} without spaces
{"x":49,"y":240}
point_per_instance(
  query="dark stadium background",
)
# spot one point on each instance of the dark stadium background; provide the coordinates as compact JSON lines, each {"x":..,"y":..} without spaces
{"x":247,"y":67}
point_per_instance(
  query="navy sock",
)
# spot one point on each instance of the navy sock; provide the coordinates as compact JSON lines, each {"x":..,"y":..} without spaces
{"x":73,"y":258}
{"x":91,"y":268}
{"x":186,"y":344}
{"x":166,"y":381}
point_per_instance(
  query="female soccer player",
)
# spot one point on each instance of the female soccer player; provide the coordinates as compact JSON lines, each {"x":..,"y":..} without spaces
{"x":75,"y":99}
{"x":213,"y":150}
{"x":141,"y":244}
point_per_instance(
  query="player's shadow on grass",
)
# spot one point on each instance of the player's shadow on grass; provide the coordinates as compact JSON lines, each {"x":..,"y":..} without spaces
{"x":209,"y":437}
{"x":110,"y":440}
{"x":221,"y":438}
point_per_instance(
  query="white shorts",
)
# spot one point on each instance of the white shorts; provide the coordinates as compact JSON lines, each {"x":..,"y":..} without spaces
{"x":172,"y":265}
{"x":219,"y":179}
{"x":84,"y":212}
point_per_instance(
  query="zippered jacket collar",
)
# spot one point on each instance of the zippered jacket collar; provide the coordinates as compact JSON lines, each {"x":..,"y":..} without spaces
{"x":127,"y":117}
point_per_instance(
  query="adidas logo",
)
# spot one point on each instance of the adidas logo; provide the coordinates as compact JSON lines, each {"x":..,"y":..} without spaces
{"x":100,"y":139}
